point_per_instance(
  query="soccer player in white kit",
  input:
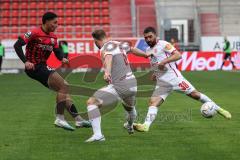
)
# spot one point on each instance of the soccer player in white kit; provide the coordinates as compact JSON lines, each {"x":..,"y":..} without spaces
{"x":168,"y":77}
{"x":122,"y":83}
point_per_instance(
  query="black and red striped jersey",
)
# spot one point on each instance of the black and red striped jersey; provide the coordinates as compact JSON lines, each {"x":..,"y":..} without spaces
{"x":39,"y":45}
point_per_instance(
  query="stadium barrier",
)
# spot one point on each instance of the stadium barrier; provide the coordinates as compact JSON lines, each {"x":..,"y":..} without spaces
{"x":84,"y":54}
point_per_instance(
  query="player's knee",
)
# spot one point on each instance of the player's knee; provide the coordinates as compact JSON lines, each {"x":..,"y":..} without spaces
{"x":152,"y":102}
{"x":91,"y":101}
{"x":64,"y":87}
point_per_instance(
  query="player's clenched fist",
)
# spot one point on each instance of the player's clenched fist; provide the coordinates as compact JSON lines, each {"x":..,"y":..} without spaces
{"x":29,"y":66}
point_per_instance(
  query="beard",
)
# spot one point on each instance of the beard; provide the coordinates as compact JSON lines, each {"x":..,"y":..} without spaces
{"x":151,"y":43}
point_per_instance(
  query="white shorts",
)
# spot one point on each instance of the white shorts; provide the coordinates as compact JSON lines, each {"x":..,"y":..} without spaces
{"x":164,"y":88}
{"x":109,"y":95}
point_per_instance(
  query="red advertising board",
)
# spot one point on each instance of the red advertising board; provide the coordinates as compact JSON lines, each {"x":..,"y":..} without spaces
{"x":84,"y":53}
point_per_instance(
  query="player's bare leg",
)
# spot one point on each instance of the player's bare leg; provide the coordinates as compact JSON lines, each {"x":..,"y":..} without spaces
{"x":154,"y":103}
{"x":95,"y":119}
{"x":63,"y":100}
{"x":203,"y":99}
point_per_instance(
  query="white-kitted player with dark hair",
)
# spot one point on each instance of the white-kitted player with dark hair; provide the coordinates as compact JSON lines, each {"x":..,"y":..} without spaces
{"x":169,"y":78}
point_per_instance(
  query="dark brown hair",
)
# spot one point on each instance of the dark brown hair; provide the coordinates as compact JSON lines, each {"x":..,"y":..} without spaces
{"x":99,"y":34}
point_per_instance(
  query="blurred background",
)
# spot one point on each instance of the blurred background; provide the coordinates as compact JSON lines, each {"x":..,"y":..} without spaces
{"x":191,"y":25}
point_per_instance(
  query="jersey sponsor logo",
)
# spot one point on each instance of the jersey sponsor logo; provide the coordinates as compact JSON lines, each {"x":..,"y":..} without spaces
{"x":168,"y":47}
{"x":28,"y":34}
{"x":46,"y":47}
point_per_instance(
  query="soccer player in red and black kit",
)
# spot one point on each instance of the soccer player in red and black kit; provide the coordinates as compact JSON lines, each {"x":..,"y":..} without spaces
{"x":41,"y":42}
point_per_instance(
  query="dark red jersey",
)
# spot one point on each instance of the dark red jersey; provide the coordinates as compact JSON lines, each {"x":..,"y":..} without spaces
{"x":39,"y":45}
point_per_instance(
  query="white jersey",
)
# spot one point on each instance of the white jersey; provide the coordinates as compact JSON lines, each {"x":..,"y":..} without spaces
{"x":161,"y":51}
{"x":124,"y":84}
{"x":120,"y":65}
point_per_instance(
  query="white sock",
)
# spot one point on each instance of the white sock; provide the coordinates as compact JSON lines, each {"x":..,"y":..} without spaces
{"x":203,"y":98}
{"x":95,"y":117}
{"x":151,"y":115}
{"x":60,"y":116}
{"x":132,"y":115}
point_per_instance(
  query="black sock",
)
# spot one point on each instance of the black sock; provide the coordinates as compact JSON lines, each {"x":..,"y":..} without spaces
{"x":73,"y":111}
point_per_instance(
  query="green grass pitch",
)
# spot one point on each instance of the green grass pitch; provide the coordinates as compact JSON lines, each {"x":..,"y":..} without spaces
{"x":179,"y":132}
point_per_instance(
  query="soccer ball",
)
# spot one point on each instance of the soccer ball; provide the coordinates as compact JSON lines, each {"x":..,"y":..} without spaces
{"x":207,"y":110}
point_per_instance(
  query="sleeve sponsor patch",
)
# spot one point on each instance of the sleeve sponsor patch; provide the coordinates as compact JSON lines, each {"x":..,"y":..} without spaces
{"x":168,"y":47}
{"x":28,"y":34}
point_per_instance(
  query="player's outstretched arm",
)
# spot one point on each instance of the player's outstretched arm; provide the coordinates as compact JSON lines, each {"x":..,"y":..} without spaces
{"x":176,"y":55}
{"x":58,"y":53}
{"x":18,"y":49}
{"x":138,"y":52}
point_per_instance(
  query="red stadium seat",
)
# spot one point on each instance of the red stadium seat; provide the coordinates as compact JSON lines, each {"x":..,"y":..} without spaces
{"x":5,"y":13}
{"x":69,"y":5}
{"x":78,"y":29}
{"x":23,"y":21}
{"x":50,"y":5}
{"x":78,"y":5}
{"x":23,"y":13}
{"x":88,"y":29}
{"x":5,"y":36}
{"x":4,"y":29}
{"x":106,"y":28}
{"x":87,"y":12}
{"x":69,"y":13}
{"x":14,"y":21}
{"x":60,"y":29}
{"x":40,"y":13}
{"x":14,"y":29}
{"x":105,"y":20}
{"x":59,"y":5}
{"x":105,"y":4}
{"x":32,"y":5}
{"x":5,"y":5}
{"x":96,"y":12}
{"x":32,"y":21}
{"x":87,"y":20}
{"x":78,"y":20}
{"x":23,"y":29}
{"x":60,"y":21}
{"x":60,"y":13}
{"x":78,"y":13}
{"x":87,"y":5}
{"x":78,"y":35}
{"x":87,"y":35}
{"x":23,"y":5}
{"x":15,"y":5}
{"x":5,"y":21}
{"x":32,"y":13}
{"x":96,"y":4}
{"x":105,"y":12}
{"x":41,"y":5}
{"x":69,"y":21}
{"x":69,"y":29}
{"x":60,"y":35}
{"x":96,"y":21}
{"x":68,"y":35}
{"x":14,"y":36}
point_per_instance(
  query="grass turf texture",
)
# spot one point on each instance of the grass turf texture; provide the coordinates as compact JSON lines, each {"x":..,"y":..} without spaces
{"x":179,"y":132}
